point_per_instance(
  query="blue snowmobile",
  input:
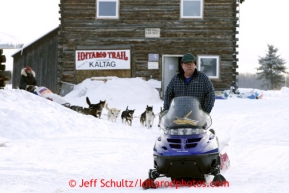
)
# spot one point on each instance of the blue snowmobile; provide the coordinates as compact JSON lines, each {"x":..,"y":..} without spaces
{"x":186,"y":150}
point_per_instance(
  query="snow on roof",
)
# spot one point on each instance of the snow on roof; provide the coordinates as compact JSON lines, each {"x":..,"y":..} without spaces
{"x":28,"y":44}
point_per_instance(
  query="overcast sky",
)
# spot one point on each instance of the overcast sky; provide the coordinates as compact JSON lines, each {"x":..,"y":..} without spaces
{"x":262,"y":22}
{"x":27,"y":20}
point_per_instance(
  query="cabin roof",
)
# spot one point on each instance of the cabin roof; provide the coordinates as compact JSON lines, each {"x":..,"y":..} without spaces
{"x":27,"y":45}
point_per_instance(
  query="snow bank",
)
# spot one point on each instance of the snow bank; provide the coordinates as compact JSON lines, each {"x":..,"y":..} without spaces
{"x":116,"y":90}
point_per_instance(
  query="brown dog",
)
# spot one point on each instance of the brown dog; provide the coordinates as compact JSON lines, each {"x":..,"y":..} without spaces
{"x":147,"y":117}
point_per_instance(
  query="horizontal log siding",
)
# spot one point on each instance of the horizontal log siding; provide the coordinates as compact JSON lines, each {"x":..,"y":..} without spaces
{"x":215,"y":34}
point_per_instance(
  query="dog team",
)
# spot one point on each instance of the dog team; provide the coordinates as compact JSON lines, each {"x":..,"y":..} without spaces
{"x":146,"y":118}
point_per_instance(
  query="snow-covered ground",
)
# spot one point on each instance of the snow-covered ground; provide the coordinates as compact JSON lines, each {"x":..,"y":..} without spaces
{"x":45,"y":146}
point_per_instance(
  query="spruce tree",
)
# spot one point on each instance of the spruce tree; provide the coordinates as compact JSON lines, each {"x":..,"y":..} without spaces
{"x":272,"y":69}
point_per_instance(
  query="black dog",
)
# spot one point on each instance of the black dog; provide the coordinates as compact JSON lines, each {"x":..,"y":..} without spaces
{"x":94,"y":109}
{"x":127,"y":116}
{"x":78,"y":109}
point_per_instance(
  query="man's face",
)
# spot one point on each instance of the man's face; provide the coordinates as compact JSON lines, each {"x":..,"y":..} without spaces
{"x":28,"y":72}
{"x":189,"y":67}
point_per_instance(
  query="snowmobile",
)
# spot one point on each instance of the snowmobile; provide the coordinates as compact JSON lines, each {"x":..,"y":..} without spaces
{"x":186,"y":150}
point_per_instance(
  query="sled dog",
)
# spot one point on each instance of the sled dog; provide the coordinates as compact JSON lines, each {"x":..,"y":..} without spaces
{"x":94,"y":109}
{"x":147,"y":117}
{"x":112,"y":113}
{"x":127,"y":116}
{"x":76,"y":108}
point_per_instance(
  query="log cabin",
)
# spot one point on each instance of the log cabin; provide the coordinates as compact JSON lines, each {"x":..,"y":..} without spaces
{"x":138,"y":38}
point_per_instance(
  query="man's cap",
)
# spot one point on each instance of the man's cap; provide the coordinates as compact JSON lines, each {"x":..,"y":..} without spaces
{"x":188,"y":58}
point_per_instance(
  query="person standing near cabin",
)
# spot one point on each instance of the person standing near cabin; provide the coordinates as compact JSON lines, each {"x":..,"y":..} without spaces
{"x":191,"y":82}
{"x":27,"y":78}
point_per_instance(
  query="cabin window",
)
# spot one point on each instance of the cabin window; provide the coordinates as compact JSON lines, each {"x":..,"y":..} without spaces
{"x":210,"y":65}
{"x":192,"y":8}
{"x":107,"y":9}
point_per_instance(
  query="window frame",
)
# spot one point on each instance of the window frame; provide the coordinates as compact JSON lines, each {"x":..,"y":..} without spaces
{"x":107,"y":17}
{"x":216,"y":68}
{"x":192,"y":17}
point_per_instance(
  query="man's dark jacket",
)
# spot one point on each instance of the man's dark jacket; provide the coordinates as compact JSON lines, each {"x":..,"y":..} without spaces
{"x":27,"y":79}
{"x":200,"y":86}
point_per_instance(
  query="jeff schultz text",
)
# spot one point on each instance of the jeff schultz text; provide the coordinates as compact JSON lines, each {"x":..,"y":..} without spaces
{"x":105,"y":183}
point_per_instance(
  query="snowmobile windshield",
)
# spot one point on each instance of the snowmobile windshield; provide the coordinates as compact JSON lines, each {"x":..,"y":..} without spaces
{"x":185,"y":112}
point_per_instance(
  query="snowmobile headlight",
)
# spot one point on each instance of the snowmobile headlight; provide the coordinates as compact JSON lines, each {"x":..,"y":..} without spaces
{"x":171,"y":132}
{"x":201,"y":131}
{"x":189,"y":131}
{"x":183,"y":131}
{"x":174,"y":132}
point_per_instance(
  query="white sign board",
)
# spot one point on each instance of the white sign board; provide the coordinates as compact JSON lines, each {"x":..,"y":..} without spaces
{"x":152,"y":32}
{"x":102,"y":59}
{"x":153,"y":65}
